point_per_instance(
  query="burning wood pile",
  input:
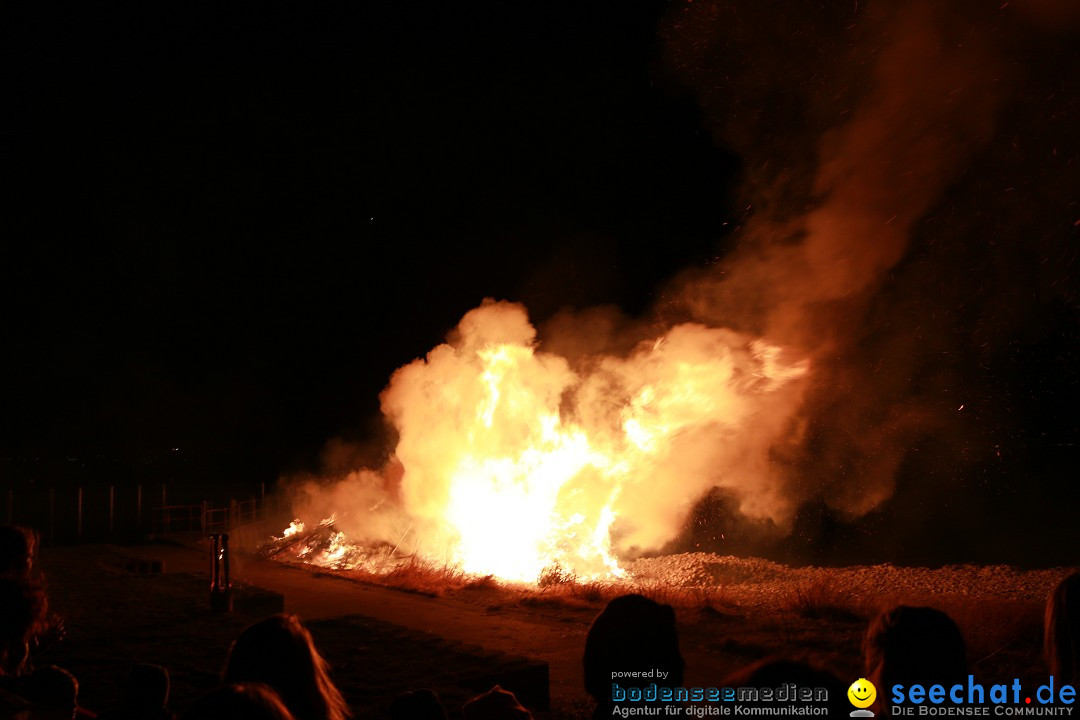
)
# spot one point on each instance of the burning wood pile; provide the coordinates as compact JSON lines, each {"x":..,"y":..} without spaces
{"x":326,"y":546}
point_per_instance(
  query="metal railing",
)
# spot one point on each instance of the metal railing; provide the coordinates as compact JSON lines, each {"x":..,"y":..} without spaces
{"x":96,"y":513}
{"x":248,"y":511}
{"x":205,"y":517}
{"x":177,"y":518}
{"x":216,"y":520}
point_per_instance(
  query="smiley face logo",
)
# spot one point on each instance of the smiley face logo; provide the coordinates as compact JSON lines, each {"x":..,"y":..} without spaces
{"x":862,"y":693}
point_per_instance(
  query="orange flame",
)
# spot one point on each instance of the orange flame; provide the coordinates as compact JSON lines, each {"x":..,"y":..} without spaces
{"x":515,"y":464}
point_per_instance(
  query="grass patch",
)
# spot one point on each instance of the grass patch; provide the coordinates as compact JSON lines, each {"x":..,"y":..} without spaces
{"x":482,"y":582}
{"x":420,"y":577}
{"x":693,"y":597}
{"x":821,"y":600}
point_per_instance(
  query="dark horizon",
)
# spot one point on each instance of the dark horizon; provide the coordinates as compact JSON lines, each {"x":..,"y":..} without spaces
{"x":227,"y":226}
{"x":260,"y":222}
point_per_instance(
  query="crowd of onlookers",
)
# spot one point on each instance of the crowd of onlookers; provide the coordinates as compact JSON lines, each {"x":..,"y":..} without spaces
{"x":903,"y":646}
{"x":275,"y":672}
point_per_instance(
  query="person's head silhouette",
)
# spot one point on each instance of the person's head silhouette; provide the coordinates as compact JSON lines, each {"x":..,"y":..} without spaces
{"x":632,"y":634}
{"x":280,"y":652}
{"x":1061,"y":631}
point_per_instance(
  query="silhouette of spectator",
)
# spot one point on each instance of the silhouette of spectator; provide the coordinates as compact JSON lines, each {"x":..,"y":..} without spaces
{"x":22,"y":614}
{"x":909,"y":645}
{"x":417,"y":705}
{"x":631,"y":634}
{"x":279,"y":651}
{"x":1061,"y":632}
{"x":146,"y":695}
{"x":53,"y":692}
{"x":495,"y":704}
{"x":18,"y":548}
{"x":14,"y":707}
{"x":18,"y":551}
{"x":239,"y":701}
{"x":16,"y":615}
{"x":776,"y":672}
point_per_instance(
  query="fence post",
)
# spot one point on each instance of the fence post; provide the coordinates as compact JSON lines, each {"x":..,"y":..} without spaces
{"x":202,"y":518}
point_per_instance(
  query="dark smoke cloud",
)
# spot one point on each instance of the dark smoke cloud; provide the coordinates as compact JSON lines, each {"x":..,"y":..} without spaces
{"x":931,"y":94}
{"x":861,"y":126}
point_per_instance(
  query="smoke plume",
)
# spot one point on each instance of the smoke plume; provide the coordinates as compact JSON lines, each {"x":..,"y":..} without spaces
{"x":900,"y":98}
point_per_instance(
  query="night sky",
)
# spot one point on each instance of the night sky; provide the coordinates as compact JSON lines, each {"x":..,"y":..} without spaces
{"x":225,"y":225}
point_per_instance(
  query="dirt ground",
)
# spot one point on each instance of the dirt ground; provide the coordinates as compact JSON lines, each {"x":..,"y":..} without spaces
{"x":381,"y":641}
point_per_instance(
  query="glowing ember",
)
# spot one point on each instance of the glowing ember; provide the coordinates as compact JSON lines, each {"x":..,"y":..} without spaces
{"x":513,"y":463}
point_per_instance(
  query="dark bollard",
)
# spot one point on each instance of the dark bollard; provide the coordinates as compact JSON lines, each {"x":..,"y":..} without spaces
{"x":220,"y":584}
